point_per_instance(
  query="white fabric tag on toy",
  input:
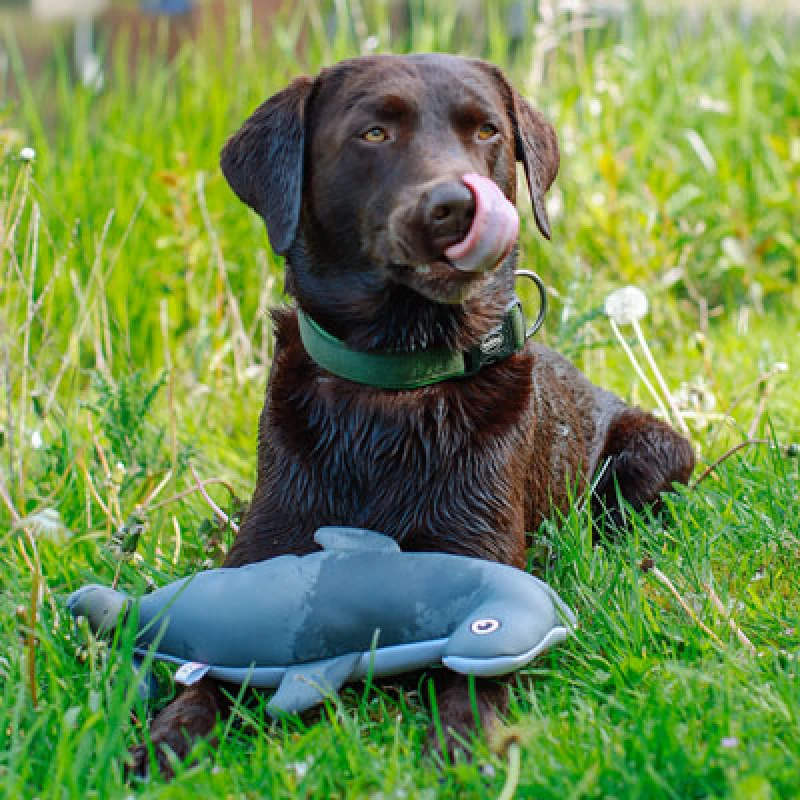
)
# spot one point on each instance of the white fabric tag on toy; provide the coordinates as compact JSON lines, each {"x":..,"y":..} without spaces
{"x":190,"y":673}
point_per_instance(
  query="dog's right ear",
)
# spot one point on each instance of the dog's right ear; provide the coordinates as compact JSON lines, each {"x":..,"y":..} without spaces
{"x":263,"y":162}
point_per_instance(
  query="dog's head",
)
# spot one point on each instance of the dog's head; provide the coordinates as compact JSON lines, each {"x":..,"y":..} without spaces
{"x":371,"y":179}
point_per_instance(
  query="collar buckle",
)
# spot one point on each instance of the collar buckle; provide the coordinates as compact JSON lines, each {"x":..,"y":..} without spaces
{"x":502,"y":341}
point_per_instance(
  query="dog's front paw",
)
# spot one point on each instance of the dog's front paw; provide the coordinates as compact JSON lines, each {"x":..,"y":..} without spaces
{"x":458,"y":714}
{"x":174,"y":732}
{"x":165,"y":755}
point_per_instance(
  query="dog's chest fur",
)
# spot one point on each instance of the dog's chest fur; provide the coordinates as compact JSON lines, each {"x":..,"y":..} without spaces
{"x":445,"y":468}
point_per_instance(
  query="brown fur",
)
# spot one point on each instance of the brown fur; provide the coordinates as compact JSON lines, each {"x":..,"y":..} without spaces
{"x":464,"y":466}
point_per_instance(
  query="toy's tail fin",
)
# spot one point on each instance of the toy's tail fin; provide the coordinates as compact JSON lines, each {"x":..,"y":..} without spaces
{"x":102,"y":607}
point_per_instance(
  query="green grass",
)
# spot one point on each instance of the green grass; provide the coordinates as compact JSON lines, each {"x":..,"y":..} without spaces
{"x":134,"y":343}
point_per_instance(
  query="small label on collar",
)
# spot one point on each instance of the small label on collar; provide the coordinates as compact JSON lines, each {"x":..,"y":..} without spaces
{"x":191,"y":672}
{"x":500,"y":343}
{"x":493,"y":342}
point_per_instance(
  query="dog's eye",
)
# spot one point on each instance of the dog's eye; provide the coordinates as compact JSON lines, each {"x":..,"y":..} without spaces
{"x":375,"y":135}
{"x":486,"y":131}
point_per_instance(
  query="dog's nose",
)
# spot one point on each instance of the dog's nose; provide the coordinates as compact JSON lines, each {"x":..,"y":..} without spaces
{"x":448,"y":213}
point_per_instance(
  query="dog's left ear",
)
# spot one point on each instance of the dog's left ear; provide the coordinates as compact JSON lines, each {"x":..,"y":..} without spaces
{"x":535,"y":145}
{"x":537,"y":149}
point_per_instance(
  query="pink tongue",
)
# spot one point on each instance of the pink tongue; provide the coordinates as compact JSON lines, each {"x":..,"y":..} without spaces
{"x":494,"y":229}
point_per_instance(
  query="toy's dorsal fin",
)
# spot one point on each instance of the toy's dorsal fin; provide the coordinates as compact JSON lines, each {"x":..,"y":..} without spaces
{"x":335,"y":538}
{"x":306,"y":685}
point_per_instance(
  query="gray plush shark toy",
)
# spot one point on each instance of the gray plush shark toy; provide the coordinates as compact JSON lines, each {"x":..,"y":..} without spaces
{"x":306,"y":625}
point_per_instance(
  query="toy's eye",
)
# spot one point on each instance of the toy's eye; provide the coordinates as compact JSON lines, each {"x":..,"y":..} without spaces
{"x":486,"y":131}
{"x":483,"y":626}
{"x":375,"y":135}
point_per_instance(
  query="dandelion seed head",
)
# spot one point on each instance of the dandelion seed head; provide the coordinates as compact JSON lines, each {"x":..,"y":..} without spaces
{"x":627,"y":305}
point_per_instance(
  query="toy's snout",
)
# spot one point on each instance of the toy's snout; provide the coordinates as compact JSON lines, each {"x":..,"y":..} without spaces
{"x":497,"y":639}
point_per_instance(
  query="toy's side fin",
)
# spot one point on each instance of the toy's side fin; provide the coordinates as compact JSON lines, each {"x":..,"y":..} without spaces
{"x":306,"y":685}
{"x":335,"y":538}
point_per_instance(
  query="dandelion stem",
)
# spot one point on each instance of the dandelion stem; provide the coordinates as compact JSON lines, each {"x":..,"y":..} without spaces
{"x":214,"y":507}
{"x":6,"y":498}
{"x":659,"y":377}
{"x":632,"y":358}
{"x":35,"y":567}
{"x":145,"y":509}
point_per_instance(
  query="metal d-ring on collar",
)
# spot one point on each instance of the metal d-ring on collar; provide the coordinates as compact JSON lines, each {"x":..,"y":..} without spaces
{"x":539,"y":321}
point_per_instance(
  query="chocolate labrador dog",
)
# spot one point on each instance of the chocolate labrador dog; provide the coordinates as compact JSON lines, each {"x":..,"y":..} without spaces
{"x":388,"y":184}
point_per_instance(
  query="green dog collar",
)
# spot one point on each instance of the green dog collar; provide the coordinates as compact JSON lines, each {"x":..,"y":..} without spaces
{"x":425,"y":367}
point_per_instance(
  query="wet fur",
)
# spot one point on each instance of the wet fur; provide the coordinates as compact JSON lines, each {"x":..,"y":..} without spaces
{"x":464,"y":466}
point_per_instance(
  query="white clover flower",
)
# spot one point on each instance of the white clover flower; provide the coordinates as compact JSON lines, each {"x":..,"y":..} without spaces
{"x":301,"y":768}
{"x":36,"y":440}
{"x":730,"y":741}
{"x":118,"y":473}
{"x":555,"y":203}
{"x":595,"y":106}
{"x":627,"y":305}
{"x":707,"y":103}
{"x":371,"y":44}
{"x":27,"y":154}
